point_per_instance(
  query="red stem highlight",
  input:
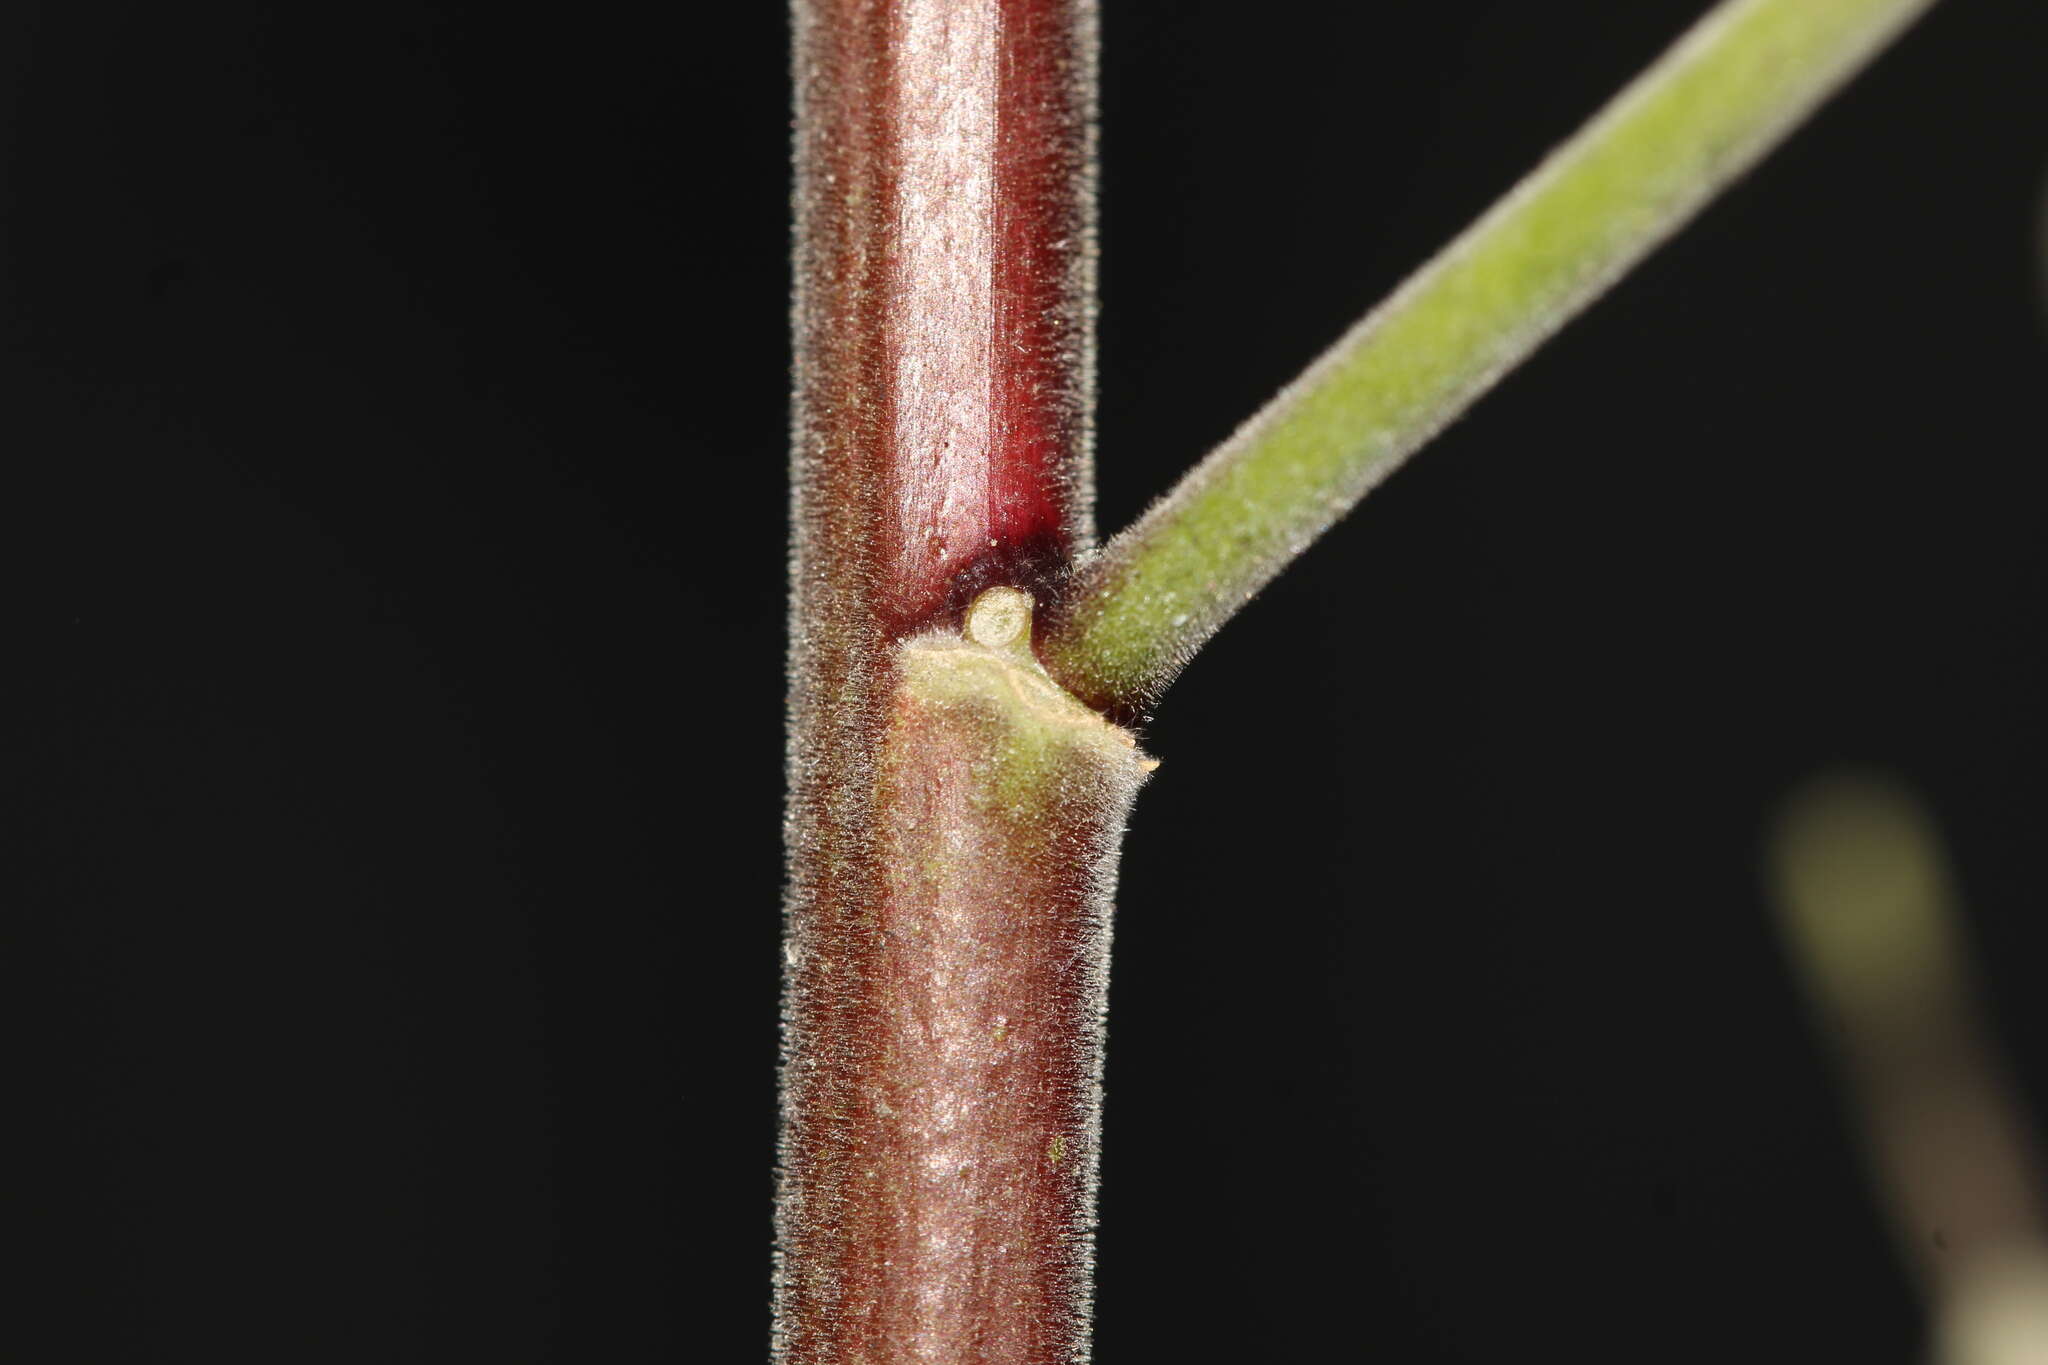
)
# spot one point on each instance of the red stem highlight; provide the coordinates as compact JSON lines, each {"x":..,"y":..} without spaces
{"x":945,"y":263}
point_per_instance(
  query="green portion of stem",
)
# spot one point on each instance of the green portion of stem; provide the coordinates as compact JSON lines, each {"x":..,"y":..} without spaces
{"x":1718,"y":100}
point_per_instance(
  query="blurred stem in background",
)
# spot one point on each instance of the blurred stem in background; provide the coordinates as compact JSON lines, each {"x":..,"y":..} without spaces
{"x":1871,"y":921}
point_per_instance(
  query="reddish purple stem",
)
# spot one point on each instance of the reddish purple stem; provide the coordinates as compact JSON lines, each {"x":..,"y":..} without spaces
{"x":942,"y":998}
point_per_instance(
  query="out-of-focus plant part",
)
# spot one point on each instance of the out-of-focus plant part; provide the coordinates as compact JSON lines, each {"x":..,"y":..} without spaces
{"x":1871,"y":921}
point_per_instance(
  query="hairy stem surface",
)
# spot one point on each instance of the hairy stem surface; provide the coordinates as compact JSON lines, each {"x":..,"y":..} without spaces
{"x":952,"y":816}
{"x":1726,"y":93}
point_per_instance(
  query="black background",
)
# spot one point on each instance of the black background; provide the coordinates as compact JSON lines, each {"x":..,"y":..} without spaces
{"x":394,"y":408}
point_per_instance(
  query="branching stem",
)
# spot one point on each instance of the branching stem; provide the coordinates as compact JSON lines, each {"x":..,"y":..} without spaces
{"x":957,"y":800}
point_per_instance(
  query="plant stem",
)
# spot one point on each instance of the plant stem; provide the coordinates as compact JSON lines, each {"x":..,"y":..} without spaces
{"x":953,"y":817}
{"x":1727,"y":92}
